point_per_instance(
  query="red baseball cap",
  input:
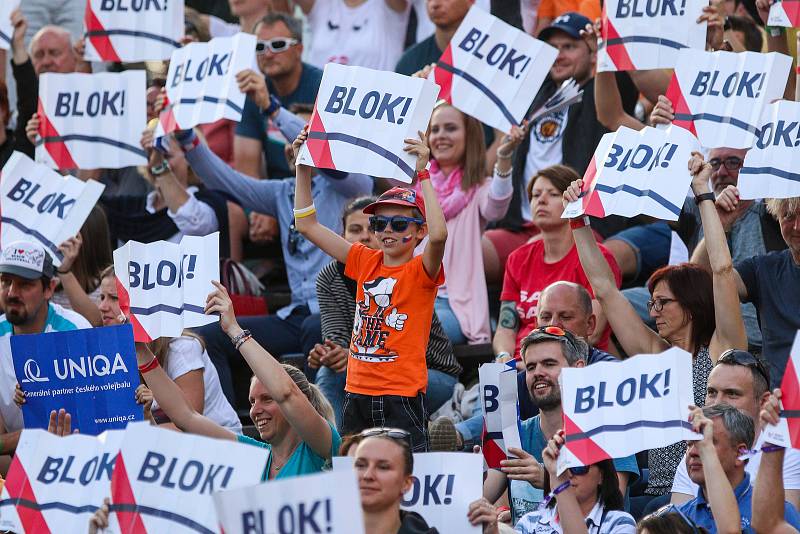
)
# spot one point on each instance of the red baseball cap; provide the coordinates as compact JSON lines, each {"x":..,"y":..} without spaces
{"x":399,"y":196}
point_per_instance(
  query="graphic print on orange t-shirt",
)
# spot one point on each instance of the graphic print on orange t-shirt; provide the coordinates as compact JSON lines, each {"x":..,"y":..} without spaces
{"x":392,"y":323}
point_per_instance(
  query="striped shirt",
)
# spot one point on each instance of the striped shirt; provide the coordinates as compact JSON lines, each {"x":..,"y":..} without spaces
{"x":599,"y":521}
{"x":337,"y":304}
{"x":58,"y":320}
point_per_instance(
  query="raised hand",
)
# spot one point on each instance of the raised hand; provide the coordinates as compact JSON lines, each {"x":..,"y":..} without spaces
{"x":218,"y":301}
{"x":523,"y":467}
{"x":419,"y":148}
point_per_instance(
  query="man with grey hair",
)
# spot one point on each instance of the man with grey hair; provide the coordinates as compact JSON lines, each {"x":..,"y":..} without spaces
{"x":545,"y":351}
{"x":288,"y":81}
{"x":727,"y":433}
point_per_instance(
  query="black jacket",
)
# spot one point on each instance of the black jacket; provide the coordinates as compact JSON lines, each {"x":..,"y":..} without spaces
{"x":581,"y":136}
{"x":413,"y":523}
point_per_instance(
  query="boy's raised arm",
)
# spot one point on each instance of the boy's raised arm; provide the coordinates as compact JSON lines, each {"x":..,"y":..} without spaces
{"x":437,"y":224}
{"x":305,"y":213}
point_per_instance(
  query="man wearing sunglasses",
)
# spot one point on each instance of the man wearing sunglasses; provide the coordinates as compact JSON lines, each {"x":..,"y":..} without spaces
{"x":288,"y":81}
{"x":545,"y":351}
{"x":742,"y":381}
{"x":732,"y":432}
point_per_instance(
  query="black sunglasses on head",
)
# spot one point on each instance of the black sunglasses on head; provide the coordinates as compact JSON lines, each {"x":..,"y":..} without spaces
{"x":744,"y":358}
{"x":378,"y":223}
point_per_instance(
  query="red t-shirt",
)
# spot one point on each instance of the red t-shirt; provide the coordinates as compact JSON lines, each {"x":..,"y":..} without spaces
{"x":527,"y":275}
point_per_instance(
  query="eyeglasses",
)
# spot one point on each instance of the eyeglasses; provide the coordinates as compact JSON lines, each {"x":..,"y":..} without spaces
{"x":378,"y":223}
{"x":731,"y":163}
{"x":579,"y":470}
{"x":672,"y":509}
{"x":744,"y":358}
{"x":276,"y":46}
{"x":397,"y":434}
{"x":658,"y":304}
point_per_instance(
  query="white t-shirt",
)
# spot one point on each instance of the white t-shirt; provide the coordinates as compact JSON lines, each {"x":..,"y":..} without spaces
{"x":187,"y":354}
{"x":547,"y":134}
{"x":58,"y":320}
{"x":370,"y":35}
{"x":791,"y":472}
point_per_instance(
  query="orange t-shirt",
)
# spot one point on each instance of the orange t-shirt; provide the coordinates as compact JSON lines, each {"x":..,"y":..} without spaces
{"x":551,"y":9}
{"x":394,"y":307}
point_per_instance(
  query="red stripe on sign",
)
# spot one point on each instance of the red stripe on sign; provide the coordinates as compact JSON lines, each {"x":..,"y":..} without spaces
{"x":493,"y":454}
{"x":19,"y":488}
{"x":124,"y":299}
{"x":57,"y":149}
{"x":444,"y":78}
{"x":101,"y":43}
{"x":679,"y":105}
{"x":592,"y":205}
{"x":122,"y":493}
{"x":792,"y":10}
{"x":617,"y":52}
{"x":790,"y":398}
{"x":167,"y":120}
{"x":320,"y":149}
{"x":586,"y":450}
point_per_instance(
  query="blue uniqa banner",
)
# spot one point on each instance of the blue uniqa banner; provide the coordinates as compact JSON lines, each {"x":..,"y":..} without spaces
{"x":91,"y":373}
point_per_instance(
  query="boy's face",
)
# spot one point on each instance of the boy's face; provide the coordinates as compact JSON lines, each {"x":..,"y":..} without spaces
{"x":393,"y":242}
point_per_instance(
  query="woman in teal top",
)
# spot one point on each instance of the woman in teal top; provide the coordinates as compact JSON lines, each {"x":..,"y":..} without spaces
{"x":289,"y":412}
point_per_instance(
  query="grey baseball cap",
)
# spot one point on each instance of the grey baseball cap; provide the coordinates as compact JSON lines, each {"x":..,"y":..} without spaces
{"x":26,"y":259}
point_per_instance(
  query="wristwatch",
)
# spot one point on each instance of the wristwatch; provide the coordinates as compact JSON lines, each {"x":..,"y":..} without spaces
{"x":704,"y":196}
{"x":274,"y":105}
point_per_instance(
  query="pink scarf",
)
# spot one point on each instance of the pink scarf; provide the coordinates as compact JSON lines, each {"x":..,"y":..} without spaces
{"x":451,"y":197}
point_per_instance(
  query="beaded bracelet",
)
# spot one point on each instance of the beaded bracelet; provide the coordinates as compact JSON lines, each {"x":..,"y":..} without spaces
{"x":502,"y":174}
{"x":240,"y":338}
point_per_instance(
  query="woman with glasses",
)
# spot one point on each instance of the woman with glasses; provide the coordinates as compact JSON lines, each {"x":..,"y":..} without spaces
{"x":584,"y":499}
{"x":469,"y":201}
{"x":694,"y":309}
{"x":291,"y":415}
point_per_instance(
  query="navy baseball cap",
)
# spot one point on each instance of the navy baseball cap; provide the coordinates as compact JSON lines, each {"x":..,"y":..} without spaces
{"x":569,"y":23}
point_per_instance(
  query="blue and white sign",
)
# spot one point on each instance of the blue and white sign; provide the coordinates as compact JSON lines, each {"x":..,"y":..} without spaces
{"x":91,"y":373}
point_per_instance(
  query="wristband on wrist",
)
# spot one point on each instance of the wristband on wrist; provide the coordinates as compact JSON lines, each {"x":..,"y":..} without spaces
{"x":240,"y":338}
{"x":502,"y":174}
{"x":502,"y":356}
{"x":704,"y":196}
{"x":149,"y":366}
{"x":505,"y":156}
{"x":579,"y":222}
{"x":423,"y":175}
{"x":63,"y":272}
{"x":561,"y":488}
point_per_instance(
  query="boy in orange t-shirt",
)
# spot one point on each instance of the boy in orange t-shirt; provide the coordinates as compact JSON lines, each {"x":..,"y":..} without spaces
{"x":386,"y":372}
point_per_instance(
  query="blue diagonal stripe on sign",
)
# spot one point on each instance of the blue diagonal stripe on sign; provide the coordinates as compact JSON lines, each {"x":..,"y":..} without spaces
{"x":71,"y":508}
{"x":4,"y":37}
{"x":133,"y":33}
{"x":790,"y":414}
{"x":369,"y":145}
{"x":95,"y":139}
{"x":644,"y":39}
{"x":170,"y":516}
{"x":786,"y":175}
{"x":35,"y":233}
{"x":625,"y":188}
{"x":212,"y":100}
{"x":482,"y":88}
{"x":717,"y":118}
{"x":168,"y":309}
{"x":675,"y":423}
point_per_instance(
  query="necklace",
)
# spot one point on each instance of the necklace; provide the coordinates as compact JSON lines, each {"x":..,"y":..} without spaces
{"x":283,"y":464}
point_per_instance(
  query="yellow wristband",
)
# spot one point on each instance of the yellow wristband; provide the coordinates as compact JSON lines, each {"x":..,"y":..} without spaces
{"x":305,"y":214}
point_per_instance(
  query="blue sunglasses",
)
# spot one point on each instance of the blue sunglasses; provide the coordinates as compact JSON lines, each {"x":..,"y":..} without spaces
{"x":378,"y":223}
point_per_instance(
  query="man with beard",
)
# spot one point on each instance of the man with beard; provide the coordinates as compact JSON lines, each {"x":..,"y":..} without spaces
{"x":27,"y":282}
{"x":545,"y":351}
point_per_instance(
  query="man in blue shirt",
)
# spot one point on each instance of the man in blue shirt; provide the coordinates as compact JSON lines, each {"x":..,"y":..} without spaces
{"x":732,"y":432}
{"x":545,"y":351}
